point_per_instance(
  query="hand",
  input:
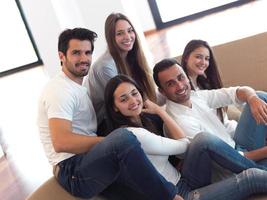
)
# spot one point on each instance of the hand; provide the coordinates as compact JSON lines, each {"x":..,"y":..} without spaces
{"x":150,"y":107}
{"x":258,"y":109}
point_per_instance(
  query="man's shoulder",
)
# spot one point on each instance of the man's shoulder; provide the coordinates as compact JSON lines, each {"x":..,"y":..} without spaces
{"x":55,"y":83}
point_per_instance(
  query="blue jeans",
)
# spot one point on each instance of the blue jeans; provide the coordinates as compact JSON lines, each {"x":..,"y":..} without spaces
{"x":117,"y":160}
{"x":240,"y":186}
{"x":248,"y":135}
{"x":205,"y":148}
{"x":197,"y":167}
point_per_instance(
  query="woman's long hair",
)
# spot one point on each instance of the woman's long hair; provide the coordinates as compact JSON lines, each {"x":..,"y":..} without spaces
{"x":135,"y":64}
{"x":115,"y":118}
{"x":212,"y":78}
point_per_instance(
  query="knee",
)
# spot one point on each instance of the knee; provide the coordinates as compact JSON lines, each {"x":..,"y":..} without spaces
{"x":205,"y":139}
{"x":254,"y":174}
{"x":262,"y":95}
{"x":122,"y":139}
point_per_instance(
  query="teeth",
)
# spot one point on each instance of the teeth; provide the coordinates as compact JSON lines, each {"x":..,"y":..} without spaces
{"x":181,"y":92}
{"x":201,"y":67}
{"x":126,"y":43}
{"x":134,"y":107}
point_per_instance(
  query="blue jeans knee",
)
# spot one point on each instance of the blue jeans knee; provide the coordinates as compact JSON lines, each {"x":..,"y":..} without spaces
{"x":262,"y":95}
{"x":121,"y":140}
{"x":205,"y":140}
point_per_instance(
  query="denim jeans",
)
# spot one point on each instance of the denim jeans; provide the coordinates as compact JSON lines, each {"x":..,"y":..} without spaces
{"x":197,"y":169}
{"x":249,"y":135}
{"x":205,"y":148}
{"x":237,"y":187}
{"x":119,"y":160}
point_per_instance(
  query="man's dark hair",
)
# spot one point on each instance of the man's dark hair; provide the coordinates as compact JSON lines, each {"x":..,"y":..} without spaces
{"x":76,"y":33}
{"x":161,"y":66}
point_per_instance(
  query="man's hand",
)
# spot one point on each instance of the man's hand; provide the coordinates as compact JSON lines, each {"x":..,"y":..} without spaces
{"x":258,"y":109}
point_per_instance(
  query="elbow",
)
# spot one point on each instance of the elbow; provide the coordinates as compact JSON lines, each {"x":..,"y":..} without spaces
{"x":58,"y":147}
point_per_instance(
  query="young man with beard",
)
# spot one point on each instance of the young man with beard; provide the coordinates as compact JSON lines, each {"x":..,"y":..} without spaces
{"x":193,"y":111}
{"x":85,"y":164}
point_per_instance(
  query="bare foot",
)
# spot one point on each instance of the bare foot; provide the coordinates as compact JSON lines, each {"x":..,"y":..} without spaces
{"x":178,"y":197}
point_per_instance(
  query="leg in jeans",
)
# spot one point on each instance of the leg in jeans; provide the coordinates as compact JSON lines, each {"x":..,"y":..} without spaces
{"x":248,"y":134}
{"x":205,"y":148}
{"x":118,"y":158}
{"x":248,"y":182}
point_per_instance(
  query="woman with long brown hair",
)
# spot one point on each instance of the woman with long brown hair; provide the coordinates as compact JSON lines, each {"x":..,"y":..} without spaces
{"x":124,"y":55}
{"x":199,"y":63}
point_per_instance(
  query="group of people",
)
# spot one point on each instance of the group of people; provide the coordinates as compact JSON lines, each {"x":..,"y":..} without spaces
{"x":107,"y":134}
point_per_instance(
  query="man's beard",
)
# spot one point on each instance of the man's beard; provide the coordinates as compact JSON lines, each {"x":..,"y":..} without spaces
{"x":80,"y":73}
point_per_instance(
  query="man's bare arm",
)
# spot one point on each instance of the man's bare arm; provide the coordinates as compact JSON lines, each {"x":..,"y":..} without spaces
{"x":257,"y":106}
{"x":64,"y":140}
{"x":257,"y":154}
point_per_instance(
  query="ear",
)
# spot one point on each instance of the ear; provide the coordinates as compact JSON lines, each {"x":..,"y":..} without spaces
{"x":186,"y":59}
{"x":115,"y":109}
{"x":61,"y":56}
{"x":162,"y":91}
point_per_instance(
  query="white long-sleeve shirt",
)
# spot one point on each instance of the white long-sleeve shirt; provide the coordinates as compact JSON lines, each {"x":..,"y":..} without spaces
{"x":201,"y":116}
{"x":158,"y":149}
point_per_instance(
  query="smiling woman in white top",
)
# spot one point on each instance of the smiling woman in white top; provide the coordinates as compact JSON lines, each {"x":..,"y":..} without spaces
{"x":126,"y":108}
{"x":199,"y":63}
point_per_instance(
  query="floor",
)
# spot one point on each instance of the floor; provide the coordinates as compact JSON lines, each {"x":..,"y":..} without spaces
{"x":24,"y":166}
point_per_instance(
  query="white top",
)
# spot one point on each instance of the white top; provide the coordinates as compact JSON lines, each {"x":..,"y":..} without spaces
{"x":201,"y":117}
{"x":158,"y":150}
{"x":102,"y":70}
{"x":65,"y":99}
{"x":230,"y":125}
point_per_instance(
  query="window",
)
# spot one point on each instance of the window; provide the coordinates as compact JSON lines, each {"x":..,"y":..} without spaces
{"x":170,"y":12}
{"x":18,"y":50}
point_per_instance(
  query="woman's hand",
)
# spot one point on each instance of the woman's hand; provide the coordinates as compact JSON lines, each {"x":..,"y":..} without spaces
{"x":150,"y":107}
{"x":172,"y":129}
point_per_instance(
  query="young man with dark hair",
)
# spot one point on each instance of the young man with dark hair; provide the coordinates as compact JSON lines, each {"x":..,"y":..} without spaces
{"x":193,"y":111}
{"x":85,"y":164}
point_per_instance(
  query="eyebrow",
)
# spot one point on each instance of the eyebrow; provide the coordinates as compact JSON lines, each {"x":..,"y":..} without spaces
{"x":125,"y":95}
{"x":176,"y":78}
{"x":122,"y":30}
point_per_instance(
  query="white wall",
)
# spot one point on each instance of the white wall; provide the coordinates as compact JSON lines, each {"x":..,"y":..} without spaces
{"x":94,"y":14}
{"x":144,"y":14}
{"x":45,"y":28}
{"x":48,"y":18}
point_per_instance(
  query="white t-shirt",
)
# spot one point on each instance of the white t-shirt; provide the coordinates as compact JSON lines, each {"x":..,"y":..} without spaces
{"x":102,"y":70}
{"x":158,"y":149}
{"x":65,"y":99}
{"x":201,"y":117}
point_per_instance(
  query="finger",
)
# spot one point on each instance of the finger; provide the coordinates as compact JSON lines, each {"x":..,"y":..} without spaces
{"x":262,"y":115}
{"x":260,"y":119}
{"x":265,"y":110}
